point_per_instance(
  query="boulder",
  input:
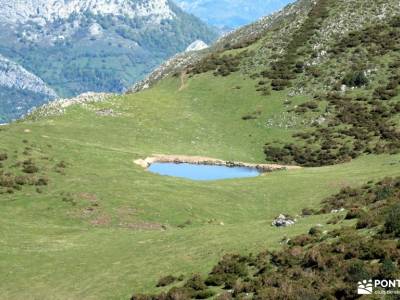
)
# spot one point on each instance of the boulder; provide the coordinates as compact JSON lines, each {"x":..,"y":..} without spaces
{"x":283,"y":221}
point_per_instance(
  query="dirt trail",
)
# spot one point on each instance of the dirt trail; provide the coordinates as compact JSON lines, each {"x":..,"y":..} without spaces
{"x":183,"y":78}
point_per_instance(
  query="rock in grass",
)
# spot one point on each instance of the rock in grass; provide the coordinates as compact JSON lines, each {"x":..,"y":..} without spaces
{"x":283,"y":221}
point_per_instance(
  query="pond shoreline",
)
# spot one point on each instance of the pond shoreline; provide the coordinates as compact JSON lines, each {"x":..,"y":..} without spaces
{"x":200,"y":160}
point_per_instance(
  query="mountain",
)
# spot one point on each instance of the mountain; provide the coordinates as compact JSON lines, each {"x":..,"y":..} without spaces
{"x":229,"y":14}
{"x":20,"y":90}
{"x":97,"y":45}
{"x":312,"y":90}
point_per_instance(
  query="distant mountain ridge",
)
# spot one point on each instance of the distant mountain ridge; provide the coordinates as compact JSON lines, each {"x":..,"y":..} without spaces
{"x":94,"y":45}
{"x":20,"y":90}
{"x":39,"y":11}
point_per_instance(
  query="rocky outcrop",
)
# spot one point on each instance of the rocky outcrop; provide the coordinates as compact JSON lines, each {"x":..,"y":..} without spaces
{"x":196,"y":46}
{"x":59,"y":106}
{"x":15,"y":76}
{"x":200,"y":160}
{"x":20,"y":90}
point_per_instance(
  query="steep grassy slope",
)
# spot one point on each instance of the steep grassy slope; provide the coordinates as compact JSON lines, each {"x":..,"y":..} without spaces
{"x":80,"y":220}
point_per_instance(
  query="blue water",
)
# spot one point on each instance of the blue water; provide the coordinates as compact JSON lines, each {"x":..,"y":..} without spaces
{"x":202,"y":172}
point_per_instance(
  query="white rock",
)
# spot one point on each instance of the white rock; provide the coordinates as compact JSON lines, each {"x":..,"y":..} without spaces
{"x":196,"y":46}
{"x":335,"y":211}
{"x":283,"y":221}
{"x":12,"y":75}
{"x":95,"y":30}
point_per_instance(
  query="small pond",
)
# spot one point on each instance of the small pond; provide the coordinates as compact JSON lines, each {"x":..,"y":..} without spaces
{"x":202,"y":172}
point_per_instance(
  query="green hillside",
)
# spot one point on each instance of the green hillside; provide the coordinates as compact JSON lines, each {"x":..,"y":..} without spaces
{"x":80,"y":220}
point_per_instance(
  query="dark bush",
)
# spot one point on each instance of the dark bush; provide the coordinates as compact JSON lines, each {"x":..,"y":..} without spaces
{"x":315,"y":231}
{"x":388,"y":269}
{"x":61,"y":165}
{"x":196,"y":283}
{"x":141,"y":297}
{"x":308,"y":212}
{"x":392,"y":221}
{"x":167,"y":280}
{"x":30,"y":169}
{"x":249,"y":117}
{"x":3,"y":156}
{"x":7,"y":181}
{"x":204,"y":294}
{"x":21,"y":180}
{"x":357,"y":272}
{"x":365,"y":221}
{"x":355,"y":79}
{"x":179,"y":294}
{"x":42,"y":181}
{"x":301,"y":240}
{"x":353,"y":213}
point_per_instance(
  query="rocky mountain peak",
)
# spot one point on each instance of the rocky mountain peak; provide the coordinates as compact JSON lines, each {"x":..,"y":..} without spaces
{"x":44,"y":11}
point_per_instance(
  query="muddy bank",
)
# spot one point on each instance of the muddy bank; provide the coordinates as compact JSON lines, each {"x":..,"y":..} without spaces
{"x":200,"y":160}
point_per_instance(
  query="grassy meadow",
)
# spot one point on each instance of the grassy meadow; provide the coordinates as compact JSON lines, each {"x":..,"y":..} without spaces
{"x":104,"y":228}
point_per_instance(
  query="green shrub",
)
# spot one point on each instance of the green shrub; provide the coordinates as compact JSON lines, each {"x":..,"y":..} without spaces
{"x":141,"y":297}
{"x":167,"y":280}
{"x":61,"y":165}
{"x":365,"y":221}
{"x":7,"y":181}
{"x":388,"y":269}
{"x":195,"y":283}
{"x":42,"y":181}
{"x":301,"y":240}
{"x":204,"y":294}
{"x":357,"y":272}
{"x":308,"y":211}
{"x":355,"y":79}
{"x":249,"y":117}
{"x":179,"y":294}
{"x":353,"y":213}
{"x":21,"y":180}
{"x":392,"y":221}
{"x":315,"y":231}
{"x":30,"y":169}
{"x":231,"y":264}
